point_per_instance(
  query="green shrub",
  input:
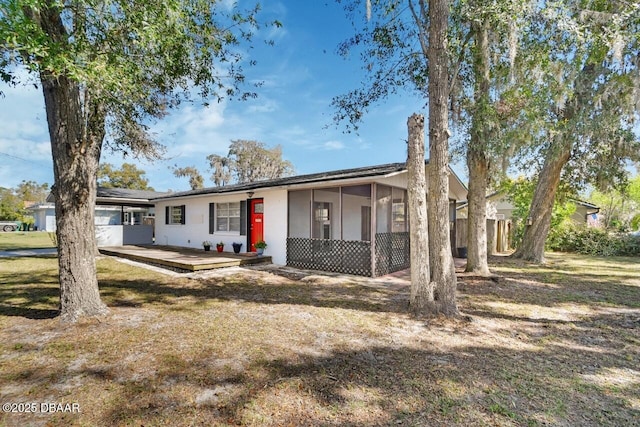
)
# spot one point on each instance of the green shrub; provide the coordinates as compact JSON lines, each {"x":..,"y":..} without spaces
{"x":635,"y":222}
{"x":592,"y":241}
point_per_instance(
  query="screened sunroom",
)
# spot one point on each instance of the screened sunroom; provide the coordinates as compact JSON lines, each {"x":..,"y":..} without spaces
{"x":339,"y":229}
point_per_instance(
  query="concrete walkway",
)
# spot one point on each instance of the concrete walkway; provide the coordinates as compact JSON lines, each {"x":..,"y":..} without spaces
{"x":28,"y":252}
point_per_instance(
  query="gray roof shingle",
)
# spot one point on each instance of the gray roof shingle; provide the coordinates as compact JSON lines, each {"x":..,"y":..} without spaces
{"x":362,"y":172}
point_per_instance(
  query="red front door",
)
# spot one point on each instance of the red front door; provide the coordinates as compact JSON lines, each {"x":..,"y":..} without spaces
{"x":256,"y":224}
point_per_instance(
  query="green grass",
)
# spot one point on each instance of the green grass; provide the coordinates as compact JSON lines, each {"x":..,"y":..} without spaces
{"x":25,"y":240}
{"x":546,"y":345}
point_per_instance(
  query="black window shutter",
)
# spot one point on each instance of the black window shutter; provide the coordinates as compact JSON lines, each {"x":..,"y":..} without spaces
{"x":212,"y":218}
{"x":243,"y":217}
{"x":167,"y":209}
{"x":182,"y":214}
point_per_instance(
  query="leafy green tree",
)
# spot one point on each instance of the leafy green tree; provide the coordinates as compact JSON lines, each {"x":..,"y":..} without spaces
{"x":520,"y":193}
{"x":403,"y":46}
{"x":587,"y":103}
{"x":11,"y":206}
{"x":221,"y":168}
{"x":32,"y":192}
{"x":196,"y":181}
{"x":620,"y":207}
{"x":14,"y":201}
{"x":249,"y":161}
{"x":107,"y":68}
{"x":128,"y":176}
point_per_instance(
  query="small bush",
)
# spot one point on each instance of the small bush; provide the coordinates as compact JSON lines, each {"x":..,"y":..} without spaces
{"x":592,"y":241}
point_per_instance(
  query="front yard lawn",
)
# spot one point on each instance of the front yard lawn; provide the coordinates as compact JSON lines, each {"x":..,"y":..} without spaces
{"x":25,"y":240}
{"x":551,"y":345}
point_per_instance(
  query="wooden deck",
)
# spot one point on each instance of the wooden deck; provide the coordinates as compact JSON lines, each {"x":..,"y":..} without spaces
{"x":186,"y":259}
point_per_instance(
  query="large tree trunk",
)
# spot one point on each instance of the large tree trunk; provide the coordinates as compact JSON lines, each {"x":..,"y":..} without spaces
{"x":421,"y":299}
{"x":477,"y":158}
{"x":477,"y":213}
{"x":76,"y":129}
{"x":441,"y":261}
{"x":539,"y":222}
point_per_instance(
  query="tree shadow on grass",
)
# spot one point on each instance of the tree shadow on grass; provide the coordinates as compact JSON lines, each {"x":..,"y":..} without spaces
{"x":380,"y":386}
{"x":341,"y":295}
{"x":580,"y":289}
{"x":33,"y":295}
{"x":27,"y":312}
{"x":350,"y":385}
{"x":36,"y":295}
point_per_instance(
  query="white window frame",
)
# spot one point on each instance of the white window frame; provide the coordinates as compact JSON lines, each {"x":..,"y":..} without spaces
{"x":175,"y":215}
{"x":228,"y":208}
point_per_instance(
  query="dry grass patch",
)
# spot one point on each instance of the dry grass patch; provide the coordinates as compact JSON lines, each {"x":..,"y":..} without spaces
{"x":551,"y":345}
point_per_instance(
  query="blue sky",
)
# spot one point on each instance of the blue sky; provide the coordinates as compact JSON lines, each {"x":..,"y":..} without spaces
{"x":301,"y":74}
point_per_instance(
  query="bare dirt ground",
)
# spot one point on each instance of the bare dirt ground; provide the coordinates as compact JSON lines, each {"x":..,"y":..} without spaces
{"x":544,"y":345}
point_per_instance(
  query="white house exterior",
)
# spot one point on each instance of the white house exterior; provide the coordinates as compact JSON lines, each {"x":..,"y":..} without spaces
{"x":122,"y":216}
{"x":197,"y":220}
{"x":352,"y":221}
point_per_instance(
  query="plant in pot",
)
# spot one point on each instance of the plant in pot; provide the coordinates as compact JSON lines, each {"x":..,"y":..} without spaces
{"x":206,"y":245}
{"x":260,"y":246}
{"x":220,"y":246}
{"x":236,"y":247}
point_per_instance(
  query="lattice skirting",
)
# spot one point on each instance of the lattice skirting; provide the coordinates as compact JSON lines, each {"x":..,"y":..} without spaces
{"x":392,"y":252}
{"x":340,"y":256}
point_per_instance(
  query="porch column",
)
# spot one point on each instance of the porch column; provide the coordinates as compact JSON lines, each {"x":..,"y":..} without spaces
{"x":374,"y":215}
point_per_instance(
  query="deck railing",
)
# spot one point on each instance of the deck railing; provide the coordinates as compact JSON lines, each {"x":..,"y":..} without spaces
{"x":340,"y":256}
{"x":392,"y":252}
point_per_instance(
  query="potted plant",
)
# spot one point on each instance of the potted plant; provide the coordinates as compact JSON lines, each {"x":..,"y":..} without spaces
{"x":220,"y":246}
{"x":206,"y":245}
{"x":236,"y":247}
{"x":260,"y":246}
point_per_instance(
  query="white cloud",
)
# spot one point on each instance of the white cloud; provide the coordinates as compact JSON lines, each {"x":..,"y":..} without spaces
{"x":191,"y":130}
{"x":263,"y":105}
{"x":333,"y":145}
{"x":25,"y":150}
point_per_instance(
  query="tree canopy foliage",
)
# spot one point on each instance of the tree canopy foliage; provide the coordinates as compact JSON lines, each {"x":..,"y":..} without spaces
{"x":620,"y":208}
{"x":586,"y":96}
{"x":136,"y":60}
{"x":556,"y":84}
{"x":249,"y":161}
{"x":109,"y":68}
{"x":520,"y":193}
{"x":128,"y":176}
{"x":14,"y":201}
{"x":403,"y":48}
{"x":196,"y":181}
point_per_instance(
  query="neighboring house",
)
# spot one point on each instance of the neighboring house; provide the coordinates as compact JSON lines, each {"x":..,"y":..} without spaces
{"x":499,"y":224}
{"x":122,"y":216}
{"x":351,"y":221}
{"x":504,"y":209}
{"x":586,"y":213}
{"x":500,"y":216}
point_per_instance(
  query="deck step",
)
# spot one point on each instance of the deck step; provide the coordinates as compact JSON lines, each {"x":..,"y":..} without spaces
{"x":183,"y":259}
